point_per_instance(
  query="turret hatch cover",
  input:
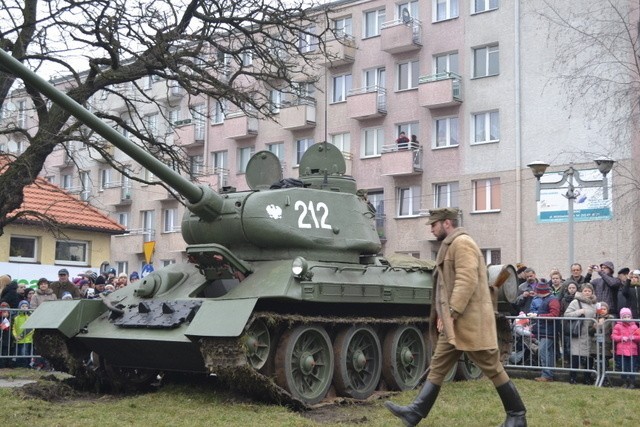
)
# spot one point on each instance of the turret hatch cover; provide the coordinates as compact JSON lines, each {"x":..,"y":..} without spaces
{"x":322,"y":158}
{"x":263,"y":170}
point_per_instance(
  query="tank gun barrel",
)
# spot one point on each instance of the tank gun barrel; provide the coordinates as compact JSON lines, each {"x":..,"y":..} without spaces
{"x":202,"y":200}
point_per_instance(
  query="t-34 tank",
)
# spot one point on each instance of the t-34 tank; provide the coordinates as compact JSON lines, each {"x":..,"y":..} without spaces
{"x":284,"y":295}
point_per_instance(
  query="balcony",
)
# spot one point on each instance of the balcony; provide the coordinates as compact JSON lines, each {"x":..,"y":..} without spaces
{"x":96,"y":155}
{"x":401,"y":35}
{"x":117,"y":195}
{"x":175,"y":92}
{"x":60,"y":158}
{"x":366,"y":103}
{"x":440,"y":90}
{"x":298,"y":115}
{"x":133,"y":241}
{"x":401,"y":160}
{"x":188,"y":133}
{"x":340,"y":51}
{"x":240,"y":126}
{"x":215,"y":178}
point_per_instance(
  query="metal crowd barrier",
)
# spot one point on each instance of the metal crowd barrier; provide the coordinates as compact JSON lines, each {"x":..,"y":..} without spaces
{"x":13,"y":355}
{"x":599,"y":367}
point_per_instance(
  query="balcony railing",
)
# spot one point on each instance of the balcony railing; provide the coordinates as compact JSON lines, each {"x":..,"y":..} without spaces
{"x":401,"y":35}
{"x":340,"y":51}
{"x":298,"y":114}
{"x":440,"y":90}
{"x":402,"y":159}
{"x":367,"y":102}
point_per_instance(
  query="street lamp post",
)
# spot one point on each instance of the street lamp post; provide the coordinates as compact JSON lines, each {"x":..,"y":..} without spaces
{"x":568,"y":177}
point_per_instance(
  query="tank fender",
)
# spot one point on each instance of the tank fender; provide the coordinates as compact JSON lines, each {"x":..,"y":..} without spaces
{"x":68,"y":316}
{"x":221,"y":318}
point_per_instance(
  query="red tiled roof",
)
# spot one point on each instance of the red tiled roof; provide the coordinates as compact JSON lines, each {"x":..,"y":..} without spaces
{"x":65,"y":209}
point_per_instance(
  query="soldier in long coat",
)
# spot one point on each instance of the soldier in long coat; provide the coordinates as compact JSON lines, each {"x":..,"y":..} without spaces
{"x":463,"y":319}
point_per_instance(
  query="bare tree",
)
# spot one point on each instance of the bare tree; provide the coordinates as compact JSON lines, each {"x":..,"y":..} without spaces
{"x":201,"y":46}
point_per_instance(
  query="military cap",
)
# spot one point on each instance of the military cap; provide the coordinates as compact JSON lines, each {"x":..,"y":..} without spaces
{"x":441,"y":214}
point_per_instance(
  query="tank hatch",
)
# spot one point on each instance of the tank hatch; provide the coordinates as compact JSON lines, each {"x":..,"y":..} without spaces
{"x":263,"y":169}
{"x":323,"y":167}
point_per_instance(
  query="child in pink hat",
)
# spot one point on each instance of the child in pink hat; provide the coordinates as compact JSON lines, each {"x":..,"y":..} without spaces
{"x":626,"y":337}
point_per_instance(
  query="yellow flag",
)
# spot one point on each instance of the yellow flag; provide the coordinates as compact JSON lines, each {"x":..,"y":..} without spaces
{"x":147,"y":248}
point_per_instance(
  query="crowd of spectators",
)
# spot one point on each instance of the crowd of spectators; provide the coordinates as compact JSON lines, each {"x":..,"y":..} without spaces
{"x":601,"y":294}
{"x":17,"y":302}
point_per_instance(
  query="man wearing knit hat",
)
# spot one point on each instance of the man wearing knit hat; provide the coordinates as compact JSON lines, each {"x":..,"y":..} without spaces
{"x":545,"y":330}
{"x":62,"y":285}
{"x":607,"y":285}
{"x":462,"y":318}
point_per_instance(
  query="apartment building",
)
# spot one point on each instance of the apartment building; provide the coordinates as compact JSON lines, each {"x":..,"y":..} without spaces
{"x":473,"y":80}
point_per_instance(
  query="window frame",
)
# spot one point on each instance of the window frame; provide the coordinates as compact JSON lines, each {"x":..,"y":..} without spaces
{"x":451,"y":9}
{"x":199,"y":117}
{"x":450,"y":191}
{"x":448,"y":68}
{"x":346,"y":29}
{"x":78,"y":243}
{"x":414,"y":211}
{"x":278,"y":149}
{"x":34,"y":255}
{"x":488,"y":124}
{"x":491,"y":49}
{"x":378,"y":142}
{"x":412,"y":74}
{"x":448,"y":122}
{"x":378,"y":20}
{"x":300,"y":143}
{"x":345,"y":86}
{"x":487,"y":6}
{"x":170,"y":220}
{"x":341,"y":140}
{"x":489,"y":190}
{"x":243,"y":160}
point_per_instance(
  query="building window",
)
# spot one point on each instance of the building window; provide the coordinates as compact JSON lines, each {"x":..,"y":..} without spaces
{"x":247,"y":57}
{"x":486,"y":61}
{"x":199,"y":120}
{"x":444,"y":9}
{"x":173,"y":116}
{"x":446,"y":195}
{"x":147,"y":82}
{"x":219,"y":108}
{"x":219,"y":159}
{"x":151,"y":125}
{"x":408,"y":73}
{"x":275,"y":100}
{"x":22,"y":114}
{"x":302,"y":145}
{"x":492,"y":256}
{"x":244,"y":154}
{"x":72,"y":252}
{"x":484,"y":5}
{"x":85,"y":181}
{"x":341,"y":87}
{"x":446,"y":132}
{"x":166,"y":262}
{"x":374,"y":79}
{"x":23,"y":249}
{"x":170,"y":220}
{"x":307,"y":40}
{"x":446,"y":63}
{"x":122,"y":266}
{"x":277,"y":149}
{"x":343,"y":26}
{"x":486,"y":127}
{"x":372,"y":141}
{"x":376,"y":198}
{"x":412,"y":9}
{"x":66,"y":182}
{"x":373,"y":21}
{"x":196,"y":166}
{"x":409,"y":201}
{"x":342,"y":141}
{"x":410,"y":129}
{"x":123,"y":219}
{"x":148,"y":225}
{"x":105,"y":178}
{"x":486,"y":195}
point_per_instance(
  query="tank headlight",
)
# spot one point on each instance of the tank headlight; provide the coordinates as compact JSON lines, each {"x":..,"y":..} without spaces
{"x":299,"y":267}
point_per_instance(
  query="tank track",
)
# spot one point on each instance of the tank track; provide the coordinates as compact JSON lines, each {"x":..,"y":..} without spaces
{"x":226,"y":357}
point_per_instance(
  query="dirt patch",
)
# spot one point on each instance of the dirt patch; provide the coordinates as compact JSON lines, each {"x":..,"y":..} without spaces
{"x":52,"y":389}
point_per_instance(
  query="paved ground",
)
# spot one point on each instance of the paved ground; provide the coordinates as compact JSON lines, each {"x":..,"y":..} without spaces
{"x":11,"y":383}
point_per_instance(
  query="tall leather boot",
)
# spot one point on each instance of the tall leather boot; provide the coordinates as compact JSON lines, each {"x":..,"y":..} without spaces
{"x":413,"y":413}
{"x":513,"y":406}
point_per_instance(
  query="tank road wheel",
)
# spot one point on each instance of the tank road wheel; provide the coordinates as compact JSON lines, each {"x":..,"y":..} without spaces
{"x":358,"y":363}
{"x":257,"y":341}
{"x":467,"y":370}
{"x":304,"y":363}
{"x":404,"y":357}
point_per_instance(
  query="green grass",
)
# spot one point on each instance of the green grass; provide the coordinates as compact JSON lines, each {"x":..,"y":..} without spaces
{"x":472,"y":403}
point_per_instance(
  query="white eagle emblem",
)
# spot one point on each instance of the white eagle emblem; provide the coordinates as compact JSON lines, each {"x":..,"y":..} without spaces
{"x":275,"y":212}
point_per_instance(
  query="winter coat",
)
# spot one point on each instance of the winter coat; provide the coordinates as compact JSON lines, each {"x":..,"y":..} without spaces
{"x":566,"y":300}
{"x":606,"y":287}
{"x":21,"y":335}
{"x":461,"y":284}
{"x":632,"y":296}
{"x":581,"y":346}
{"x":59,"y":288}
{"x":5,"y":337}
{"x":41,"y":296}
{"x":11,"y":296}
{"x":628,"y":330}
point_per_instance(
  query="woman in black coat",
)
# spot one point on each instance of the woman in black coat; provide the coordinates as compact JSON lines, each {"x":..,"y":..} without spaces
{"x":10,"y":294}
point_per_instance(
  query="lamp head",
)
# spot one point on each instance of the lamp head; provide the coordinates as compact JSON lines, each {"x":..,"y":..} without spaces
{"x":604,"y":165}
{"x":538,"y":168}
